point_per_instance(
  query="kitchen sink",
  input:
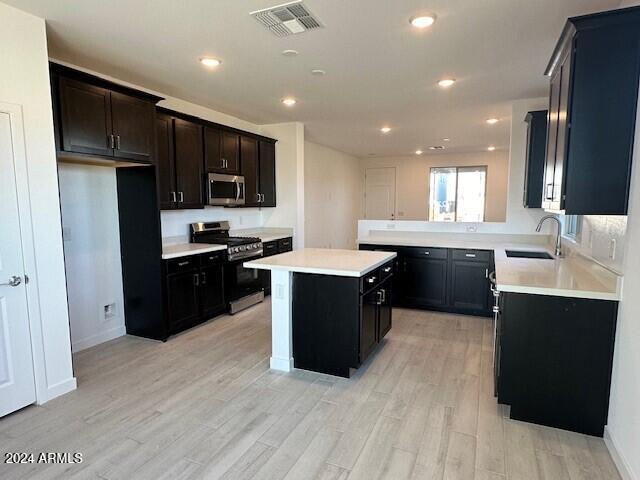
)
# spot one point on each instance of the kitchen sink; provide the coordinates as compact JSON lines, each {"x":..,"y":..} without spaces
{"x":528,"y":254}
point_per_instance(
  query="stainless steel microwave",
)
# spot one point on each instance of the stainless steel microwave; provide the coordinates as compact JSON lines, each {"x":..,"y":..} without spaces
{"x":226,"y":189}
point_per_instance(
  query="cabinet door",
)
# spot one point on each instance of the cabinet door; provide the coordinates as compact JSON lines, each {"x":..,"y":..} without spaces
{"x":424,"y":281}
{"x":211,"y":291}
{"x":267,"y":177}
{"x":563,"y":133}
{"x":552,"y":139}
{"x":535,"y":158}
{"x":249,"y":162}
{"x":230,"y":152}
{"x":132,"y":120}
{"x":212,"y":153}
{"x":166,"y":172}
{"x":384,"y":309}
{"x":368,"y":324}
{"x":85,"y":114}
{"x":189,"y":164}
{"x":470,"y":286}
{"x":182,"y":300}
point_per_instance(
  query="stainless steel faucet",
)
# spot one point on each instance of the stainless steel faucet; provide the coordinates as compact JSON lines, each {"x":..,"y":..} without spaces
{"x":558,"y":236}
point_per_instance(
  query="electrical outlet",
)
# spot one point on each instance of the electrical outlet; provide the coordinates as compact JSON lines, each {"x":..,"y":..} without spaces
{"x":472,"y":228}
{"x":109,"y":311}
{"x":279,"y":293}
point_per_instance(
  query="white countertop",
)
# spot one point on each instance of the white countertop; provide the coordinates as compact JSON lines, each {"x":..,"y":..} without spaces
{"x":325,"y":261}
{"x":264,"y":234}
{"x":183,"y":249}
{"x":573,"y":276}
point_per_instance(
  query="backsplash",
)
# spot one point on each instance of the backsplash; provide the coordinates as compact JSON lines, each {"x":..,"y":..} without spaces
{"x":603,"y":238}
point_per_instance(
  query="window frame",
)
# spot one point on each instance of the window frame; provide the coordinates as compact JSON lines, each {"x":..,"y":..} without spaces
{"x":457,"y":169}
{"x":572,"y":227}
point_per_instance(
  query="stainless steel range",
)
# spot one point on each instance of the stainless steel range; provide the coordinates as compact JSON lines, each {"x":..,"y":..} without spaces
{"x":243,"y":286}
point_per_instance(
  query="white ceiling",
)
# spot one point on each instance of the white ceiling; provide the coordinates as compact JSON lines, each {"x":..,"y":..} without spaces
{"x":380,"y":70}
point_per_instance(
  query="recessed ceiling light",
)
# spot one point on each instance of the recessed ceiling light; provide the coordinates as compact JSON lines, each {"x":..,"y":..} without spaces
{"x":492,"y":121}
{"x":289,"y":101}
{"x":423,"y":21}
{"x":446,"y":82}
{"x":447,"y":139}
{"x":318,"y":72}
{"x":210,"y":62}
{"x":491,"y":148}
{"x":289,"y":53}
{"x":385,"y":129}
{"x":436,"y":147}
{"x":418,"y":152}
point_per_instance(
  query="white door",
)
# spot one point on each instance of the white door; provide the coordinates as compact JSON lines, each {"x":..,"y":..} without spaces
{"x":17,"y":386}
{"x":380,"y":193}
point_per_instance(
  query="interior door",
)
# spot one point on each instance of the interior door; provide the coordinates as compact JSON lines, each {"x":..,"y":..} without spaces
{"x":380,"y":193}
{"x":17,"y":388}
{"x":189,"y":160}
{"x":133,"y":127}
{"x":86,"y":118}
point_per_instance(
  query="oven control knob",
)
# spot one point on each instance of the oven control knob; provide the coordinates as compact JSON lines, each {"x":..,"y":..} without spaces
{"x":242,"y":248}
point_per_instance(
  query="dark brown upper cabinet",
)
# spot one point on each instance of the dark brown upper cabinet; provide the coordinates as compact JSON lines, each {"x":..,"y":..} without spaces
{"x":98,"y":118}
{"x":222,"y":151}
{"x":267,"y":173}
{"x":594,"y":73}
{"x":535,"y":158}
{"x":180,"y":153}
{"x":249,"y":162}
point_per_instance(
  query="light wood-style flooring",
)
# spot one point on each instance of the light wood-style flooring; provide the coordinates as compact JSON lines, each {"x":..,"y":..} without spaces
{"x":206,"y":405}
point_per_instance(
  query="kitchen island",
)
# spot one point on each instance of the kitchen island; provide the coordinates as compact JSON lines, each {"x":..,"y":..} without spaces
{"x":330,"y":308}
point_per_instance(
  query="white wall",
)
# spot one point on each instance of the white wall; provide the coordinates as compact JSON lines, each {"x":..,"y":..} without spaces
{"x":332,"y":197}
{"x":519,"y":220}
{"x":290,"y":161}
{"x":88,"y":197}
{"x":25,"y":82}
{"x":412,"y":179}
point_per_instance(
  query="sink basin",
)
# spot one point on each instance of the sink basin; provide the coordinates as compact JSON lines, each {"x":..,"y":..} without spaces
{"x":528,"y":254}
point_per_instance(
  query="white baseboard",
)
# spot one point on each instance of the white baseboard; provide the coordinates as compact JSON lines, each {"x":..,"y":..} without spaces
{"x":58,"y":389}
{"x":98,"y":338}
{"x":621,"y":463}
{"x":281,"y":364}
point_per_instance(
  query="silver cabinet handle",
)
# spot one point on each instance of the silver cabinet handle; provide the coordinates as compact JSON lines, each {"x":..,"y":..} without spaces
{"x":196,"y":279}
{"x":427,"y":253}
{"x":384,"y":295}
{"x":371,"y":279}
{"x":173,"y":197}
{"x":181,"y":194}
{"x":14,"y":281}
{"x":486,"y":273}
{"x":112,"y":141}
{"x":387,"y":269}
{"x":258,"y":198}
{"x":117,"y":142}
{"x":182,"y":264}
{"x":238,"y":191}
{"x":470,"y":255}
{"x":549,"y":196}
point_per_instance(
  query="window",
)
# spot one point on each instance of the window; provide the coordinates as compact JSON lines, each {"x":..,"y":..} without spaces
{"x":457,"y":194}
{"x":572,"y":226}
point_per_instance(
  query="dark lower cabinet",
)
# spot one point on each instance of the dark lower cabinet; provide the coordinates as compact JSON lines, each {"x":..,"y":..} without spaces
{"x":470,"y":286}
{"x":193,"y":290}
{"x":339,"y":321}
{"x":273,"y":248}
{"x":442,"y":279}
{"x":555,"y":360}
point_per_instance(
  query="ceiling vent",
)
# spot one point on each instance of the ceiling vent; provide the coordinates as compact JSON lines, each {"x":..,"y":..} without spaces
{"x":287,"y":19}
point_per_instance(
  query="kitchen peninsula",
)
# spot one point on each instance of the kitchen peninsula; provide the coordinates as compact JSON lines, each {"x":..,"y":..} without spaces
{"x":330,"y":308}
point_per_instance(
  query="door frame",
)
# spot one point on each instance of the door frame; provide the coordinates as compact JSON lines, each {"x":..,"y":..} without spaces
{"x":395,"y":193}
{"x":28,"y":248}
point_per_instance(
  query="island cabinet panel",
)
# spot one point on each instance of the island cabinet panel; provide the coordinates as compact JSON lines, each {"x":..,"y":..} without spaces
{"x":336,"y":323}
{"x":555,"y":358}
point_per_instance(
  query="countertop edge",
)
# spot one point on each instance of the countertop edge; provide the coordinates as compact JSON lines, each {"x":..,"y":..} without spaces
{"x":195,"y":251}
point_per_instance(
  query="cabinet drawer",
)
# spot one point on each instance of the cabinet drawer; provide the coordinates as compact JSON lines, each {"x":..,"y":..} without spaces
{"x":212,"y":258}
{"x":269,"y":248}
{"x":386,"y":270}
{"x":285,"y":245}
{"x":430,"y":252}
{"x":472,"y":255}
{"x":370,"y":280}
{"x":183,"y":264}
